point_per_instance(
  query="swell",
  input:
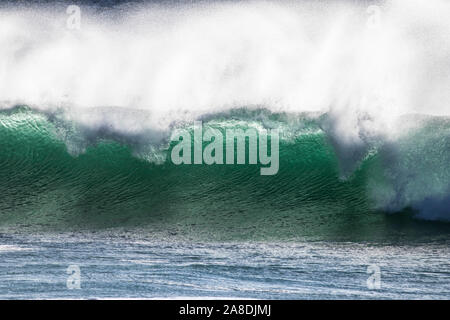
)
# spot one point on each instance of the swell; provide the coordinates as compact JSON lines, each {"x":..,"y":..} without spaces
{"x":59,"y":174}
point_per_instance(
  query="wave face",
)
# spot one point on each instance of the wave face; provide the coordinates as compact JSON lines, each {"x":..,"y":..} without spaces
{"x":360,"y":95}
{"x":60,"y":174}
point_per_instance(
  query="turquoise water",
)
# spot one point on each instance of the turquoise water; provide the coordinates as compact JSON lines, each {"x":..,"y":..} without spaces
{"x":57,"y":174}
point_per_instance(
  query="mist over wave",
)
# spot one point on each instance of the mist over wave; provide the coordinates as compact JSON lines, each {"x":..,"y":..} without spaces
{"x":180,"y":60}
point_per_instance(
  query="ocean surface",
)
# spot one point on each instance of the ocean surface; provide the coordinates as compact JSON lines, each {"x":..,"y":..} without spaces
{"x":93,"y":206}
{"x":38,"y":267}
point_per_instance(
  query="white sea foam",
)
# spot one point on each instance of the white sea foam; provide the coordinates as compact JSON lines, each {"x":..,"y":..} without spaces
{"x":181,"y":61}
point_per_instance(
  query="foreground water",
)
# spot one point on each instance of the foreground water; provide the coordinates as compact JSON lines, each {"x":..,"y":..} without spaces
{"x":35,"y":266}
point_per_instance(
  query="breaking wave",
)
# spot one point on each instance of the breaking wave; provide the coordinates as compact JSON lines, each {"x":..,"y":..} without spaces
{"x":360,"y":95}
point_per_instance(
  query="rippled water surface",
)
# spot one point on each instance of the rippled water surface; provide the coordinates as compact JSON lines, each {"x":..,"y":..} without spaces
{"x":113,"y":267}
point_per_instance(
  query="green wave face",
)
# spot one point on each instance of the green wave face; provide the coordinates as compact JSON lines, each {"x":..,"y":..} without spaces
{"x":56,"y":175}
